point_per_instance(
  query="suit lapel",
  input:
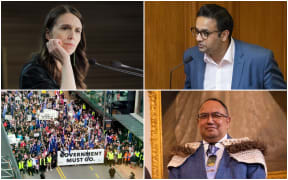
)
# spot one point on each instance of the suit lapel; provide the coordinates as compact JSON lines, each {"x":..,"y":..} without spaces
{"x":200,"y":71}
{"x":200,"y":162}
{"x":238,"y":65}
{"x":223,"y":168}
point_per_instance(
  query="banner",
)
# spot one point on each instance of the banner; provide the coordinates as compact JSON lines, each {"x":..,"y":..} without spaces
{"x":12,"y":139}
{"x":94,"y":156}
{"x":8,"y":117}
{"x":48,"y":114}
{"x":29,"y":117}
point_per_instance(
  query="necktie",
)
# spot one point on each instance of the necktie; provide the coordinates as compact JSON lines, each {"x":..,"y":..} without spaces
{"x":211,"y":162}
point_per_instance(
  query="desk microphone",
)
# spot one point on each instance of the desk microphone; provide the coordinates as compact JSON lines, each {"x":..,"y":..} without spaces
{"x":118,"y":64}
{"x":93,"y":62}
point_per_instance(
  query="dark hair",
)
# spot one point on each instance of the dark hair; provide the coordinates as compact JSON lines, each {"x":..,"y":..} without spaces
{"x":80,"y":69}
{"x":220,"y":14}
{"x":217,"y":100}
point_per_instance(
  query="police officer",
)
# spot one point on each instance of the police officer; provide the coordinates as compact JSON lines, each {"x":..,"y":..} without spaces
{"x":49,"y":161}
{"x":21,"y":166}
{"x":30,"y":166}
{"x":119,"y":156}
{"x":141,"y":159}
{"x":111,"y":158}
{"x":42,"y":163}
{"x":137,"y":154}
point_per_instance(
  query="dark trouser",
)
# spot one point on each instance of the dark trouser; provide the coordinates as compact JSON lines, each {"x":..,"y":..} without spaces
{"x":54,"y":164}
{"x":49,"y":166}
{"x":22,"y":171}
{"x":110,"y":162}
{"x":30,"y":171}
{"x":119,"y":161}
{"x":105,"y":161}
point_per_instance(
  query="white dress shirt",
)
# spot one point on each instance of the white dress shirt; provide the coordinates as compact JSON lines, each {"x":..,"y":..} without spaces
{"x":219,"y":153}
{"x":219,"y":76}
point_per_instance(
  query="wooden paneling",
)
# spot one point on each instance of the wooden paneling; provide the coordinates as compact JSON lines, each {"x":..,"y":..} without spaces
{"x":114,"y":31}
{"x":164,"y":34}
{"x":167,"y":35}
{"x":264,"y":23}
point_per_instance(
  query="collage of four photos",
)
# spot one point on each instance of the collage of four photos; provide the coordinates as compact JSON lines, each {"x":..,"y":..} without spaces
{"x":144,"y":90}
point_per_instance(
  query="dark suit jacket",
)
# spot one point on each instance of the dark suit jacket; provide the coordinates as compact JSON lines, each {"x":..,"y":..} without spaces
{"x":229,"y":168}
{"x":254,"y":68}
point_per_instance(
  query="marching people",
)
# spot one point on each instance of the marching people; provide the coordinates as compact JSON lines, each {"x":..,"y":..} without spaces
{"x":73,"y":128}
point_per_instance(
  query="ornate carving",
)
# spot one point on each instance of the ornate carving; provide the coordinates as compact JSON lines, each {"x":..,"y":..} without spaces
{"x":156,"y":134}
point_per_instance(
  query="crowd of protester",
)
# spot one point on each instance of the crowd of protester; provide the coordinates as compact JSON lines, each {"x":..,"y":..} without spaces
{"x":76,"y":127}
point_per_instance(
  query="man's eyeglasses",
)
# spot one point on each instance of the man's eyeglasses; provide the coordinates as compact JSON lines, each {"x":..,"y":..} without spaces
{"x":214,"y":115}
{"x":204,"y":34}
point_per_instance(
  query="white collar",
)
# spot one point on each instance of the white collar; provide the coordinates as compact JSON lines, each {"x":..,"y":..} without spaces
{"x":218,"y":144}
{"x":228,"y":57}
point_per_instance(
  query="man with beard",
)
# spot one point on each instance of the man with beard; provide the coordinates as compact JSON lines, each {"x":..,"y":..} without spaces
{"x":223,"y":63}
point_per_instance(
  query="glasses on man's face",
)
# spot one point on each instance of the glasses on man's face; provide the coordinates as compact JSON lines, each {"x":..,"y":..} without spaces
{"x":204,"y":34}
{"x":214,"y":115}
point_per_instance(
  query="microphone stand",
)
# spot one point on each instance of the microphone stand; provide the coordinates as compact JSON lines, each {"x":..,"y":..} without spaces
{"x":186,"y":60}
{"x":171,"y":71}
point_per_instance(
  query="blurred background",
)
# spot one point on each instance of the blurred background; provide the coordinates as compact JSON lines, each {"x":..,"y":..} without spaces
{"x":114,"y":32}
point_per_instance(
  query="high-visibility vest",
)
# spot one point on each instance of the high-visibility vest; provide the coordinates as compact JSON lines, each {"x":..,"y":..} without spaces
{"x":84,"y":106}
{"x":119,"y":155}
{"x":137,"y":154}
{"x":41,"y":161}
{"x":141,"y":156}
{"x":21,"y":165}
{"x":29,"y":163}
{"x":111,"y":156}
{"x":49,"y":159}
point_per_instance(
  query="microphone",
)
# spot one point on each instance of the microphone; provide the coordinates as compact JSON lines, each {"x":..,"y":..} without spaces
{"x":185,"y":61}
{"x":118,"y":64}
{"x":93,"y":61}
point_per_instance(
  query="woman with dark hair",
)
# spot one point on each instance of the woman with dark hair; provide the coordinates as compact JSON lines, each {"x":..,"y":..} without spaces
{"x":61,"y":62}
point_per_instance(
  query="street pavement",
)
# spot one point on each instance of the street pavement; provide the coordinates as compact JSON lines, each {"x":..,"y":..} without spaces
{"x":89,"y":172}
